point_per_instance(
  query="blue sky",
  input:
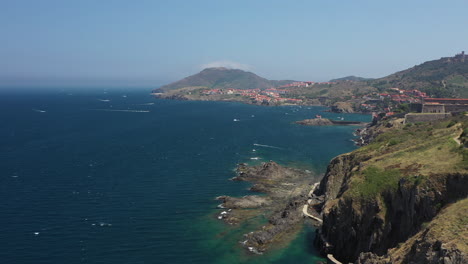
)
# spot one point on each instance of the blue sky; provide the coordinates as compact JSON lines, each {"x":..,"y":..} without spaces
{"x":148,"y":43}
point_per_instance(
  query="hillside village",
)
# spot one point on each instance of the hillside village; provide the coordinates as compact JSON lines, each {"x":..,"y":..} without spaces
{"x":370,"y":102}
{"x":401,"y":92}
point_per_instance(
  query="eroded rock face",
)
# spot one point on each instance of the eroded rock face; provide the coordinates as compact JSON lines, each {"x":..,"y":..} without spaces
{"x":373,"y":212}
{"x":355,"y":225}
{"x":342,"y":107}
{"x":338,"y":173}
{"x":439,"y":242}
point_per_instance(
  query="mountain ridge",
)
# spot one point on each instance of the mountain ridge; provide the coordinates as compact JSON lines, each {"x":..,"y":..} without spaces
{"x":223,"y":78}
{"x":445,"y":77}
{"x":351,"y":78}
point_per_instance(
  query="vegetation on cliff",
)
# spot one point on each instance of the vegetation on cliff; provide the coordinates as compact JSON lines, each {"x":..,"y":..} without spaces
{"x":413,"y":152}
{"x":381,"y":194}
{"x":223,"y":78}
{"x":350,"y":78}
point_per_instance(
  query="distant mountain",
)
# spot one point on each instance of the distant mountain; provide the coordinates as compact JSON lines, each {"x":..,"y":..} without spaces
{"x":223,"y":78}
{"x":351,"y":78}
{"x":445,"y":77}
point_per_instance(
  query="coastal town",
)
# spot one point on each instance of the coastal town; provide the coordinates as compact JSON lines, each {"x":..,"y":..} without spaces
{"x":267,"y":96}
{"x":370,"y":102}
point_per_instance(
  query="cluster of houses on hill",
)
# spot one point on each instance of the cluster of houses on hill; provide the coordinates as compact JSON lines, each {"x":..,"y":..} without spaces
{"x":304,"y":84}
{"x":405,"y":96}
{"x":395,"y":95}
{"x":423,"y":108}
{"x":271,"y":95}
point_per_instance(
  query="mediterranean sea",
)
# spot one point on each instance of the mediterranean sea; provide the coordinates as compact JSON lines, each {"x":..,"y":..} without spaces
{"x":116,"y":176}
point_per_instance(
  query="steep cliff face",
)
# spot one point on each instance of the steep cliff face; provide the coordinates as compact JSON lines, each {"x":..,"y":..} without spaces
{"x":354,"y":225}
{"x":338,"y":173}
{"x":441,"y":241}
{"x":381,"y":194}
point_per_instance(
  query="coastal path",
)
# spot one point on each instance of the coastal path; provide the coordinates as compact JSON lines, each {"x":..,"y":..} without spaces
{"x":305,"y":209}
{"x":306,"y":213}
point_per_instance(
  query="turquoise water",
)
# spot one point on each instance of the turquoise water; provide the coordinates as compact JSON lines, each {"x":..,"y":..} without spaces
{"x":82,"y":184}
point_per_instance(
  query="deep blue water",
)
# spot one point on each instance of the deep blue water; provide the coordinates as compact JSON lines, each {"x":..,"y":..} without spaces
{"x":81,"y":184}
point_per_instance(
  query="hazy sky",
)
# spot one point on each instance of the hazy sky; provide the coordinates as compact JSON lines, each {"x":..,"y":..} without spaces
{"x":148,"y":43}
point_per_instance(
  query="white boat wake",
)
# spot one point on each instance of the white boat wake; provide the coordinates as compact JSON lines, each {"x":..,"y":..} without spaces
{"x":122,"y":110}
{"x":266,"y":146}
{"x":39,"y":111}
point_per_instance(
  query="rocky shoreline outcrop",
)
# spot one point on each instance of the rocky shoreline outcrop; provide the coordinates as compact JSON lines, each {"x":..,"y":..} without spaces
{"x":285,"y":192}
{"x":315,"y":122}
{"x":342,"y":107}
{"x":375,"y":128}
{"x":327,"y":122}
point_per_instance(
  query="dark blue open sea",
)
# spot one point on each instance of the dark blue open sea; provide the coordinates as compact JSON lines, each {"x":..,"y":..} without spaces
{"x":84,"y":180}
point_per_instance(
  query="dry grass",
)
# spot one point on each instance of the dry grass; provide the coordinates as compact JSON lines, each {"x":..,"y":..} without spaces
{"x":416,"y":150}
{"x":450,"y":227}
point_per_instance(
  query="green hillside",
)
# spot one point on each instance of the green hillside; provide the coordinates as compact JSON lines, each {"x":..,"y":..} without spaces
{"x":351,"y":78}
{"x":445,"y":77}
{"x":223,"y":78}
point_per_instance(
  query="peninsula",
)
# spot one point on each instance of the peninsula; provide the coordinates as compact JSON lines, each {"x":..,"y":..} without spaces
{"x":446,"y":77}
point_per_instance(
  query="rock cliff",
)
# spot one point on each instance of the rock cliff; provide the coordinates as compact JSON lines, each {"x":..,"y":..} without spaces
{"x":342,"y":107}
{"x":380,"y":195}
{"x":441,"y":241}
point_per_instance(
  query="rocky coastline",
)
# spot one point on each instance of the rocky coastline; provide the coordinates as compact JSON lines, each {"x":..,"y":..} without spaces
{"x":368,"y":215}
{"x":405,"y":222}
{"x":284,"y":192}
{"x":328,"y":122}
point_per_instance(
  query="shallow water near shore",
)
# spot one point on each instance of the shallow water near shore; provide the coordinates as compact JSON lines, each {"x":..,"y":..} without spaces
{"x":82,"y":184}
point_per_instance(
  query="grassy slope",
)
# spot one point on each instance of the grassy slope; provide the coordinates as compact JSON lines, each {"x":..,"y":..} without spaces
{"x":416,"y":152}
{"x":441,"y":78}
{"x":422,"y":154}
